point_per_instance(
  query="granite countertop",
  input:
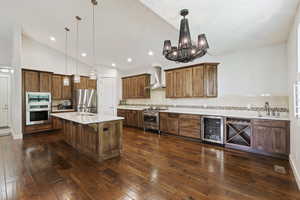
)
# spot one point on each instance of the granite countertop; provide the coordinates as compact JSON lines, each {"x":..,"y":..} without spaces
{"x":85,"y":118}
{"x":224,"y":113}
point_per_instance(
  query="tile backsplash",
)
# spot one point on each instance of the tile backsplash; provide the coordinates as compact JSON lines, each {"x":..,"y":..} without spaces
{"x":223,"y":102}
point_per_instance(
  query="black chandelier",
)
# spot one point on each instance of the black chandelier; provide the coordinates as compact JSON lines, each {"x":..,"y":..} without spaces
{"x":186,"y":51}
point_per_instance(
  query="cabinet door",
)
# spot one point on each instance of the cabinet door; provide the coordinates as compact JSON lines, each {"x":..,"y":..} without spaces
{"x":190,"y":126}
{"x":173,"y":124}
{"x":198,"y":81}
{"x":66,"y":90}
{"x":178,"y":83}
{"x":56,"y":87}
{"x":124,"y":88}
{"x":57,"y":123}
{"x":170,"y":84}
{"x":211,"y":81}
{"x":163,"y":122}
{"x":45,"y":82}
{"x":82,"y":84}
{"x":187,"y":82}
{"x":134,"y":88}
{"x":91,"y":84}
{"x":31,"y":81}
{"x":122,"y":113}
{"x":279,"y":140}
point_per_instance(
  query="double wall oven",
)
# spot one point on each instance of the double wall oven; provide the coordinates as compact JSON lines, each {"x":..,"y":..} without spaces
{"x":38,"y":108}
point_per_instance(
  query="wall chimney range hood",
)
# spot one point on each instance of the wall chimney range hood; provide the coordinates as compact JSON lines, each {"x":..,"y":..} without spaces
{"x":157,"y":79}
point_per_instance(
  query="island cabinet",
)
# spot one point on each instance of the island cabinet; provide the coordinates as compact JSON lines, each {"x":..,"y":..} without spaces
{"x":136,"y":87}
{"x":132,"y":118}
{"x":199,"y":80}
{"x":99,"y":141}
{"x":271,"y":136}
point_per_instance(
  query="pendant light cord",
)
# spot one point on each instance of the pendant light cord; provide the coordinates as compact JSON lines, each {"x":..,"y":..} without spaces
{"x":94,"y":38}
{"x":66,"y":51}
{"x":77,"y":51}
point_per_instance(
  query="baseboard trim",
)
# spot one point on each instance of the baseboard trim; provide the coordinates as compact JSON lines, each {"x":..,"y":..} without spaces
{"x":295,"y":172}
{"x":16,"y":136}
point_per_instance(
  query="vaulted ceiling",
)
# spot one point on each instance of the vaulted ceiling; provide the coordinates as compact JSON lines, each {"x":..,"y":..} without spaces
{"x":130,"y":28}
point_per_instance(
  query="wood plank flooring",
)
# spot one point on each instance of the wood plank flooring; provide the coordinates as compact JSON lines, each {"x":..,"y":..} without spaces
{"x":152,"y":167}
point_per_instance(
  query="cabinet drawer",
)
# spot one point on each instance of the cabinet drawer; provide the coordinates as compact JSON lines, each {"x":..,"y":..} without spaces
{"x":38,"y":128}
{"x":193,"y":124}
{"x":163,"y":115}
{"x":189,"y":132}
{"x":270,"y":123}
{"x":189,"y":116}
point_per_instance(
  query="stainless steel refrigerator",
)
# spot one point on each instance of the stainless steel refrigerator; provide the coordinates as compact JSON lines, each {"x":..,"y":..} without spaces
{"x":86,"y":100}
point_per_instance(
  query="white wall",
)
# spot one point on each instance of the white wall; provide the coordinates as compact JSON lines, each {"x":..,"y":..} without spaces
{"x":41,"y":57}
{"x":292,"y":53}
{"x":243,"y":77}
{"x":16,"y":83}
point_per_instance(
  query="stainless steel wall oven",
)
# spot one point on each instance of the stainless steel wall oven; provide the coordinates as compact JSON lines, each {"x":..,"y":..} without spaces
{"x":38,"y":108}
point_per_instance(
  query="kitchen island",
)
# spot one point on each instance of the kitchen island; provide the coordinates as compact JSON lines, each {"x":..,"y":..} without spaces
{"x":97,"y":136}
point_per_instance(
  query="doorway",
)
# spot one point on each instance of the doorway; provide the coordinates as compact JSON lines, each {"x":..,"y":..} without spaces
{"x":4,"y":104}
{"x":107,"y":98}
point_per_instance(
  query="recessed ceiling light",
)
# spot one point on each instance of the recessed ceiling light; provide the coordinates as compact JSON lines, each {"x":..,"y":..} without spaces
{"x":150,"y":53}
{"x":113,"y":64}
{"x":129,"y":60}
{"x":83,"y":54}
{"x":52,"y":38}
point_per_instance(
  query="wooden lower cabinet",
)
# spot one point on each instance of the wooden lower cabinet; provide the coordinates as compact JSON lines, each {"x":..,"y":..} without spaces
{"x":190,"y":126}
{"x":169,"y":123}
{"x":57,"y":123}
{"x":37,"y":128}
{"x":271,"y":136}
{"x":132,"y":118}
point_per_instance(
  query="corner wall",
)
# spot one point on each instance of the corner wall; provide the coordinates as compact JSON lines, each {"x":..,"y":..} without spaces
{"x":293,"y":62}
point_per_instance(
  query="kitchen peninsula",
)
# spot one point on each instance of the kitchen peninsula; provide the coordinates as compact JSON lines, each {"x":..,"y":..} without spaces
{"x":97,"y":136}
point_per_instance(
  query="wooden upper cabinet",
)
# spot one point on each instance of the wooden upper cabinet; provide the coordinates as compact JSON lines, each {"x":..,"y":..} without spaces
{"x":45,"y":82}
{"x":136,"y":87}
{"x":211,"y":81}
{"x":198,"y":81}
{"x":31,"y":81}
{"x":91,"y":84}
{"x":57,"y":81}
{"x":170,"y":92}
{"x":66,"y":90}
{"x":192,"y":81}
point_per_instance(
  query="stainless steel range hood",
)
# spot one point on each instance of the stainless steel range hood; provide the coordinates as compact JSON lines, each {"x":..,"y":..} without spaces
{"x":157,"y":78}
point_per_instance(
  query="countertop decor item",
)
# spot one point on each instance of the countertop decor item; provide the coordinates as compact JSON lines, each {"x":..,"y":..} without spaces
{"x":186,"y":50}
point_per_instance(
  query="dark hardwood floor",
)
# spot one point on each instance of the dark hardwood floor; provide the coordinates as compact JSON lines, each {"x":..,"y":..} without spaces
{"x":44,"y":167}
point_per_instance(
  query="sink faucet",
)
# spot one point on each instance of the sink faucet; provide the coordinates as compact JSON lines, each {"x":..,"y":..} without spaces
{"x":267,"y":108}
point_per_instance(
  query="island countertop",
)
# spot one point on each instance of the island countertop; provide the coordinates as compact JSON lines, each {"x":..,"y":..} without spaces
{"x":86,"y":118}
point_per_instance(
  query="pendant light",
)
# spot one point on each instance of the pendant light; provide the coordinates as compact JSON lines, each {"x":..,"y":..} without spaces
{"x":93,"y":74}
{"x":77,"y":76}
{"x":66,"y":80}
